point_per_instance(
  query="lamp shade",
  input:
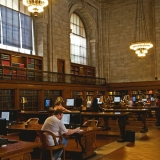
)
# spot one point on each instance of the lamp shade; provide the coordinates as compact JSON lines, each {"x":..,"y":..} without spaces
{"x":101,"y":99}
{"x":23,"y":100}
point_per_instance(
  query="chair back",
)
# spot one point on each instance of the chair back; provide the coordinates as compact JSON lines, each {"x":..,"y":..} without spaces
{"x":91,"y":123}
{"x":42,"y":134}
{"x":32,"y":121}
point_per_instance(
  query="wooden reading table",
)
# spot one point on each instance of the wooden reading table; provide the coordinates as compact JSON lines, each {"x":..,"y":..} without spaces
{"x":122,"y":119}
{"x":18,"y":151}
{"x":84,"y":138}
{"x":140,"y":111}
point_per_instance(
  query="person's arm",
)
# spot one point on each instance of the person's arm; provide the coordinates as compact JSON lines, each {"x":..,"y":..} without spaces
{"x":65,"y":110}
{"x":71,"y":131}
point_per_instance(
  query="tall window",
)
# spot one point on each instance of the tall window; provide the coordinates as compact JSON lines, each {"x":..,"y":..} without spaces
{"x":78,"y":40}
{"x":15,"y":27}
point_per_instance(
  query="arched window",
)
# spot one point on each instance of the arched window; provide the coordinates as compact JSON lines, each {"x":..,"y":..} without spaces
{"x":78,"y":45}
{"x":16,"y":27}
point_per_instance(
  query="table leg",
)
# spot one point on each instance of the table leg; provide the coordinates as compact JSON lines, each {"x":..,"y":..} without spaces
{"x":157,"y":112}
{"x":144,"y":128}
{"x":122,"y":125}
{"x":86,"y":143}
{"x":106,"y":124}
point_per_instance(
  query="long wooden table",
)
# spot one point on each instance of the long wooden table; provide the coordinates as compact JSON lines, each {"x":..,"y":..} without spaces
{"x":122,"y":119}
{"x":18,"y":151}
{"x":142,"y":112}
{"x":157,"y":112}
{"x":85,"y":138}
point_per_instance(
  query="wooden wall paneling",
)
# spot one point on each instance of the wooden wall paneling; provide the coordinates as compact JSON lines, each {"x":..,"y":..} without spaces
{"x":16,"y":99}
{"x":41,"y":100}
{"x":66,"y":94}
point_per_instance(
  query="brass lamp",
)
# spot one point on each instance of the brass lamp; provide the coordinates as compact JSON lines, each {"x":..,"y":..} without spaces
{"x":89,"y":98}
{"x":23,"y":101}
{"x":101,"y":99}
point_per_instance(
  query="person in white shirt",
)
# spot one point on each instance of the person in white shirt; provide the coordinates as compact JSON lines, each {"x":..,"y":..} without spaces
{"x":130,"y":103}
{"x":55,"y":125}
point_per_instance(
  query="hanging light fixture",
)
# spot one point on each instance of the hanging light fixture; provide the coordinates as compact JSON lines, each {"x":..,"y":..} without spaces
{"x":35,"y":6}
{"x":141,"y":43}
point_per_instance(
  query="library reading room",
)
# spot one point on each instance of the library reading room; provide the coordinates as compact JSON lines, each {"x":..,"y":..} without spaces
{"x":79,"y":79}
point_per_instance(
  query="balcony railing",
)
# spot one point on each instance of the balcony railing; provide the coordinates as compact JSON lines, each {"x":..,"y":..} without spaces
{"x":22,"y":74}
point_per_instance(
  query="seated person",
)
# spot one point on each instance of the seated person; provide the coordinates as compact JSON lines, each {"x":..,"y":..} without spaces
{"x":130,"y":103}
{"x":94,"y":106}
{"x":58,"y":105}
{"x":55,"y":125}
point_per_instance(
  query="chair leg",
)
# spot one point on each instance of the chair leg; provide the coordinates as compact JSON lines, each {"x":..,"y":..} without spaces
{"x":95,"y":142}
{"x":64,"y":154}
{"x":51,"y":156}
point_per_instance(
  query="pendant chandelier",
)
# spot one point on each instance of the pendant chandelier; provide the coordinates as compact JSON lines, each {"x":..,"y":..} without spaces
{"x":141,"y":43}
{"x":35,"y":6}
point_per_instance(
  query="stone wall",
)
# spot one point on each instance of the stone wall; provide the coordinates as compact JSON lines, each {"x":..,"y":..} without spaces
{"x":123,"y":64}
{"x":109,"y":28}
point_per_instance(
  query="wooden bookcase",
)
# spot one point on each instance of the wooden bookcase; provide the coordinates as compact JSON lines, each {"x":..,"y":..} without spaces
{"x":20,"y":66}
{"x":32,"y":100}
{"x":75,"y":70}
{"x":82,"y":70}
{"x":6,"y":99}
{"x":121,"y":93}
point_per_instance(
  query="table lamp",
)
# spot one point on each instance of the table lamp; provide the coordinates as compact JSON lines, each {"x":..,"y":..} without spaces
{"x":23,"y":101}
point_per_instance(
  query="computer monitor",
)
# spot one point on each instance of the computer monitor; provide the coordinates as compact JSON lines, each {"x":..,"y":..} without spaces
{"x":78,"y":102}
{"x":98,"y":101}
{"x":134,"y":99}
{"x":66,"y":119}
{"x":3,"y":129}
{"x":75,"y":120}
{"x":47,"y":103}
{"x":70,"y":102}
{"x":6,"y":115}
{"x":117,"y":99}
{"x":152,"y":99}
{"x":144,"y":100}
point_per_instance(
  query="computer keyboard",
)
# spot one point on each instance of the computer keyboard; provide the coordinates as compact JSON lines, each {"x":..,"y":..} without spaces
{"x":12,"y":141}
{"x":42,"y":111}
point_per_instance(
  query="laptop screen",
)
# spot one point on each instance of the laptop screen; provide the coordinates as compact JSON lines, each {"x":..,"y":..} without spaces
{"x":66,"y":119}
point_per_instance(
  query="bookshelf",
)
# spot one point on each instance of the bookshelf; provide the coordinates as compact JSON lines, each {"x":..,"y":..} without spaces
{"x":6,"y":99}
{"x":31,"y":97}
{"x":20,"y":66}
{"x":82,"y":70}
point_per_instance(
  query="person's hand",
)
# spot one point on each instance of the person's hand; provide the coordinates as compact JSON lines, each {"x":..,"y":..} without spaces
{"x":78,"y":129}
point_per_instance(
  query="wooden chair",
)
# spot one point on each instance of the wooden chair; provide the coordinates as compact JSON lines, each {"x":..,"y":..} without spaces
{"x":42,"y":136}
{"x":91,"y":123}
{"x":29,"y":135}
{"x":32,"y":121}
